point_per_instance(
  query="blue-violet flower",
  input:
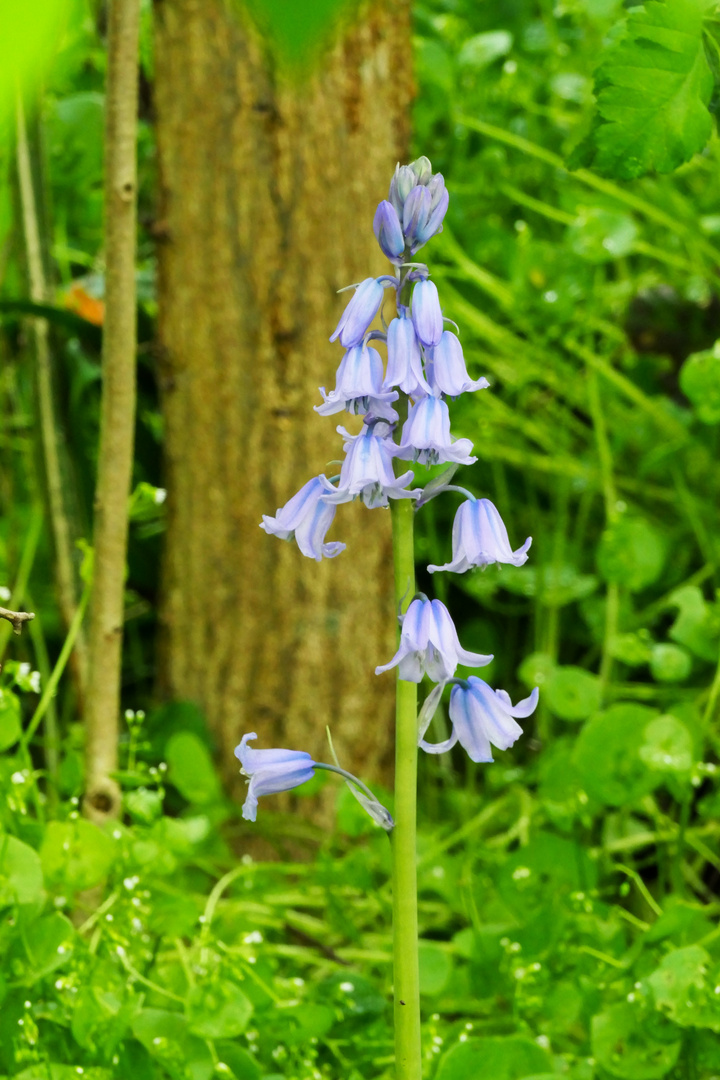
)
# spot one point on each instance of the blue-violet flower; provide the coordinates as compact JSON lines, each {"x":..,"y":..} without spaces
{"x":404,"y":366}
{"x":479,"y":537}
{"x":426,"y":435}
{"x":359,"y":313}
{"x":426,"y":313}
{"x":306,"y":518}
{"x":482,"y":717}
{"x":423,"y":213}
{"x":368,"y":470}
{"x":388,"y":231}
{"x":359,"y":386}
{"x":429,"y":644}
{"x":446,"y":371}
{"x":271,"y":771}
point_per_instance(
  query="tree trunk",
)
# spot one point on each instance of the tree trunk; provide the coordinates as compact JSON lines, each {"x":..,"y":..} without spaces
{"x":268,"y":191}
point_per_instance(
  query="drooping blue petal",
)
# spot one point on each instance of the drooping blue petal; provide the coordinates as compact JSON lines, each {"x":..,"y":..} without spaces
{"x":359,"y":386}
{"x":426,"y":313}
{"x":479,"y":538}
{"x":404,"y":367}
{"x":388,"y":231}
{"x":306,"y":518}
{"x":426,"y":435}
{"x":359,"y":313}
{"x":271,"y":771}
{"x":368,"y":470}
{"x":482,"y":717}
{"x":429,"y":645}
{"x":446,"y":371}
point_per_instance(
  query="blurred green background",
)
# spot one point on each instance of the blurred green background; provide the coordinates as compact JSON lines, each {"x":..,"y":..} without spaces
{"x":570,"y":891}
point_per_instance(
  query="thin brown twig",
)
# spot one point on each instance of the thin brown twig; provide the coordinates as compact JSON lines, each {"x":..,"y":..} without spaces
{"x":17,"y":618}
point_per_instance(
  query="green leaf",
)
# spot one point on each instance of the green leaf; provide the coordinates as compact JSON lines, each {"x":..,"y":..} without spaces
{"x":435,"y":968}
{"x":607,"y":755}
{"x":670,"y":663}
{"x":482,"y":49}
{"x":76,"y":854}
{"x":600,"y":235}
{"x":667,"y":746}
{"x":165,"y":1036}
{"x":10,"y":728}
{"x":631,"y":553}
{"x":572,"y":694}
{"x":190,"y":768}
{"x":620,"y":1045}
{"x":682,"y":990}
{"x":700,"y":382}
{"x":653,"y":90}
{"x":218,"y":1011}
{"x":50,"y":944}
{"x":494,"y":1058}
{"x":696,"y":626}
{"x":21,"y":876}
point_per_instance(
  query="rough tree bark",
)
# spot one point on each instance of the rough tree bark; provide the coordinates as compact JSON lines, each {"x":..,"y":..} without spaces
{"x":268,"y":190}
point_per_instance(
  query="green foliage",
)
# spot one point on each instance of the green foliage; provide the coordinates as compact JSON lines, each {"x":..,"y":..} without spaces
{"x":653,"y":88}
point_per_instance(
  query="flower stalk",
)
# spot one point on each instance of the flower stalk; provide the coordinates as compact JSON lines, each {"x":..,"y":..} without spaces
{"x":404,"y":836}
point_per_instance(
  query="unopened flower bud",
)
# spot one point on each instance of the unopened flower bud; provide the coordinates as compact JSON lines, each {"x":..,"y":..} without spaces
{"x":388,"y":231}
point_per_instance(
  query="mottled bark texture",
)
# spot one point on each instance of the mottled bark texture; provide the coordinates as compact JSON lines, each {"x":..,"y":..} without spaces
{"x":268,"y":189}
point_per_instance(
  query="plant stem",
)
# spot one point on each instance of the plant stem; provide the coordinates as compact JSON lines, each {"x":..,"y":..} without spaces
{"x":404,"y":835}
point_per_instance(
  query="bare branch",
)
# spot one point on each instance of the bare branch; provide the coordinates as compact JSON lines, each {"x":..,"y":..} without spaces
{"x":17,"y":618}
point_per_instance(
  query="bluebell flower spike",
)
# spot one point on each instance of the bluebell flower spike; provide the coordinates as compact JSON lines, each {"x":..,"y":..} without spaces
{"x":429,"y":645}
{"x":270,"y":771}
{"x":482,"y":718}
{"x":306,"y":518}
{"x":479,"y":538}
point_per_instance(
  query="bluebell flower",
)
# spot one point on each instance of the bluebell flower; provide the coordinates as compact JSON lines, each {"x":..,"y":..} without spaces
{"x":306,"y":518}
{"x":388,"y":231}
{"x":423,"y":213}
{"x":271,"y":771}
{"x":479,"y":537}
{"x":429,"y":644}
{"x":426,"y":435}
{"x":404,"y":366}
{"x":446,"y":371}
{"x":482,"y":717}
{"x":426,"y":314}
{"x":405,"y":179}
{"x":368,"y":470}
{"x":359,"y":313}
{"x":359,"y":386}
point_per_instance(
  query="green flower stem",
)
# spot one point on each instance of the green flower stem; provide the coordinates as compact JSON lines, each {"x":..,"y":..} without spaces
{"x":404,"y":836}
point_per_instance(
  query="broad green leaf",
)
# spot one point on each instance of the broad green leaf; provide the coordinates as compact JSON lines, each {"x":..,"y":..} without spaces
{"x":653,"y":90}
{"x":165,"y":1036}
{"x":632,"y":649}
{"x":10,"y":729}
{"x":49,"y":945}
{"x":21,"y":876}
{"x":683,"y":990}
{"x":549,"y":865}
{"x":670,"y":663}
{"x":697,"y":626}
{"x":667,"y":746}
{"x":622,"y":1047}
{"x":700,"y":382}
{"x":435,"y":968}
{"x":479,"y":51}
{"x":76,"y":854}
{"x":536,"y":669}
{"x":494,"y":1058}
{"x":572,"y":693}
{"x":243,"y":1065}
{"x":305,"y":1021}
{"x":144,"y":805}
{"x":218,"y":1011}
{"x":599,"y":235}
{"x":607,"y":755}
{"x":631,"y":553}
{"x":190,"y":768}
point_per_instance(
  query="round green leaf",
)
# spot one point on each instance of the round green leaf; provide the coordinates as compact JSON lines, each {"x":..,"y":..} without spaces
{"x":700,"y":382}
{"x":607,"y":755}
{"x":218,"y":1011}
{"x":600,"y":235}
{"x":10,"y":728}
{"x":667,"y":746}
{"x":536,"y":669}
{"x":77,"y":853}
{"x":572,"y":694}
{"x":21,"y":876}
{"x":494,"y":1058}
{"x":631,"y":553}
{"x":191,"y":769}
{"x":682,"y":990}
{"x":670,"y":663}
{"x":435,"y":968}
{"x":620,"y":1046}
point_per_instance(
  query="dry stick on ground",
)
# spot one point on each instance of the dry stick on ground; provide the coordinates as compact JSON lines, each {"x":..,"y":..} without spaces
{"x":61,"y":533}
{"x":17,"y":618}
{"x":102,"y":795}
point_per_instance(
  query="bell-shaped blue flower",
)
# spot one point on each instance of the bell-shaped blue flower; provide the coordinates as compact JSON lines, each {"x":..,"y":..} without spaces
{"x":368,"y":470}
{"x":446,"y":371}
{"x":388,"y":231}
{"x":479,"y":537}
{"x":423,"y":213}
{"x":481,"y":718}
{"x":306,"y":518}
{"x":426,"y":314}
{"x":405,"y":179}
{"x":404,"y":366}
{"x":271,"y":771}
{"x":426,"y":435}
{"x":359,"y":313}
{"x":359,"y":386}
{"x":429,"y":644}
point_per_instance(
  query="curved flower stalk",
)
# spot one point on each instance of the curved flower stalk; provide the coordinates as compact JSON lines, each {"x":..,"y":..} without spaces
{"x":425,"y":369}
